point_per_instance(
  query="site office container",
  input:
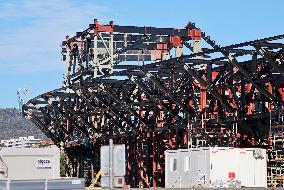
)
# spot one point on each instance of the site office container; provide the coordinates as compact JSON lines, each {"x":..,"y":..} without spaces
{"x":216,"y":167}
{"x":30,"y":163}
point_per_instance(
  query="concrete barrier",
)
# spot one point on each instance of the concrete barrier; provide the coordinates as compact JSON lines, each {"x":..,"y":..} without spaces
{"x":49,"y":184}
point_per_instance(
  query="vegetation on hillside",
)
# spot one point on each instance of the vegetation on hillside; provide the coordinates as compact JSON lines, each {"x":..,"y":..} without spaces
{"x":13,"y":125}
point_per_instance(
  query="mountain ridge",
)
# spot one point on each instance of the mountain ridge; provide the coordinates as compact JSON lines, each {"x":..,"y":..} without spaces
{"x":13,"y":125}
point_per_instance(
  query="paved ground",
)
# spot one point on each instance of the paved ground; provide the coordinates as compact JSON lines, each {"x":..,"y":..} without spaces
{"x":97,"y":188}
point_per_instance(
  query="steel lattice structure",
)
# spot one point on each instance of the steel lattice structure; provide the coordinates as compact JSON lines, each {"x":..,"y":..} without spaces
{"x":156,"y":89}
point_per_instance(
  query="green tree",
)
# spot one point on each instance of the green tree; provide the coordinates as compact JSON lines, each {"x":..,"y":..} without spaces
{"x":63,"y":164}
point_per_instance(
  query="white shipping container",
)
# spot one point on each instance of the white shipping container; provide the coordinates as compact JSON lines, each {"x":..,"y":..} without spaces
{"x":216,"y":167}
{"x":119,"y":165}
{"x":30,"y":163}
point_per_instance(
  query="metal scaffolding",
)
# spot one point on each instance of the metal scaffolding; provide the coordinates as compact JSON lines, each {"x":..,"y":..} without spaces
{"x":155,"y":89}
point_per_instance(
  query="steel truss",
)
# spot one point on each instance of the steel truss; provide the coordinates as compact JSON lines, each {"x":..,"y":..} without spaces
{"x":156,"y":89}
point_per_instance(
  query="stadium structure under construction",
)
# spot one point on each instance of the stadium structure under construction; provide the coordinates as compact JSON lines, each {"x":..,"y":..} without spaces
{"x":156,"y":89}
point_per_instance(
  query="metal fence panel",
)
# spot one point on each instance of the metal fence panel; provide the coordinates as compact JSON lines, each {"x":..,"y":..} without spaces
{"x":66,"y":184}
{"x":27,"y":185}
{"x":60,"y":184}
{"x":3,"y":185}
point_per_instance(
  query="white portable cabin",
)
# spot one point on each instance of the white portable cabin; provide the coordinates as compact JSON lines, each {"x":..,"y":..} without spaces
{"x":216,"y":167}
{"x":29,"y":163}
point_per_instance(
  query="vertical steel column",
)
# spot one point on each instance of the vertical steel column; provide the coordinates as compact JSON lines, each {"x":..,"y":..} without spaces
{"x":111,"y":163}
{"x":111,"y":53}
{"x":154,"y":163}
{"x":95,"y":52}
{"x":68,"y":66}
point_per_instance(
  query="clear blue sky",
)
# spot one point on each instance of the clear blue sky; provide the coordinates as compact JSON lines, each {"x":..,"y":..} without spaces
{"x":31,"y":31}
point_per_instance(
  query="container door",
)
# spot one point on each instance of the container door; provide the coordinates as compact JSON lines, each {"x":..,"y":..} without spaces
{"x":201,"y":172}
{"x":246,"y":168}
{"x":260,"y":170}
{"x":172,"y":176}
{"x":185,"y":169}
{"x":224,"y":164}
